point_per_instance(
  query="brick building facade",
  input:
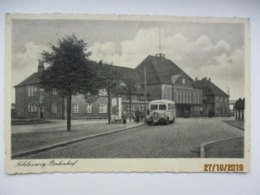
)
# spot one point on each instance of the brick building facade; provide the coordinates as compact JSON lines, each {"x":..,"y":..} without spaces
{"x":34,"y":102}
{"x":215,"y":100}
{"x":165,"y":80}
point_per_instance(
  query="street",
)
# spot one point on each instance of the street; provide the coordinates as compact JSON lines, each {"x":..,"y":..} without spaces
{"x":179,"y":140}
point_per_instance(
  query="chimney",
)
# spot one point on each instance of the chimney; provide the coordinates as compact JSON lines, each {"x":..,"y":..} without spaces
{"x":209,"y":79}
{"x":41,"y":66}
{"x":196,"y":79}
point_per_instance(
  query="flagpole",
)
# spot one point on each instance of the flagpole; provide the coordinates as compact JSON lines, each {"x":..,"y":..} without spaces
{"x":145,"y":93}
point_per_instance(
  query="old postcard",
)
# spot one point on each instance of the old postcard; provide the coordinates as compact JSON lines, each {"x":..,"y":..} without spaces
{"x":121,"y":93}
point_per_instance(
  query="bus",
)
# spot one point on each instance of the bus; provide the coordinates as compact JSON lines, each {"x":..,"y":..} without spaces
{"x":161,"y":111}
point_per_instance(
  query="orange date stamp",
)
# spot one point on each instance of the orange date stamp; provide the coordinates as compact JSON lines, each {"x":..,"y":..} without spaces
{"x":223,"y":167}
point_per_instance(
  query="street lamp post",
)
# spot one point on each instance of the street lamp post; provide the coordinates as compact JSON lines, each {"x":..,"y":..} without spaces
{"x":145,"y":93}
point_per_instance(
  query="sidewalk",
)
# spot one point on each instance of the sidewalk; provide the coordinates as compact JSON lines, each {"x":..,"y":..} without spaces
{"x":52,"y":125}
{"x":44,"y":139}
{"x":235,"y":123}
{"x":228,"y":148}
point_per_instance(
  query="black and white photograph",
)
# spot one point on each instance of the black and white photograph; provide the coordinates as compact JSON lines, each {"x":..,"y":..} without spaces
{"x":132,"y":89}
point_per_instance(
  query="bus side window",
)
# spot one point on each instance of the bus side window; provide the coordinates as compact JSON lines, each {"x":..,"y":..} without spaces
{"x":169,"y":106}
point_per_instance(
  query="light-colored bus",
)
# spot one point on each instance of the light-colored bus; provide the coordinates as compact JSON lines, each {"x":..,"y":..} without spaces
{"x":161,"y":111}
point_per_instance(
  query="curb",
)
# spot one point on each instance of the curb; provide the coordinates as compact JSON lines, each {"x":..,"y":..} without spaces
{"x":202,"y":146}
{"x":19,"y":154}
{"x":234,"y":125}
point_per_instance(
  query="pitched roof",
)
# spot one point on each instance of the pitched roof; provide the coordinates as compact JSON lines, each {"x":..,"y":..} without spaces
{"x":31,"y":80}
{"x":130,"y":74}
{"x":209,"y":88}
{"x":125,"y":72}
{"x":161,"y":70}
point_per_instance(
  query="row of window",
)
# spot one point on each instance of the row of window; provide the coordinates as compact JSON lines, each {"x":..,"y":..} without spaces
{"x":32,"y":108}
{"x":133,"y":98}
{"x":75,"y":108}
{"x":32,"y":91}
{"x":134,"y":108}
{"x":221,"y":99}
{"x":102,"y":108}
{"x":187,"y":96}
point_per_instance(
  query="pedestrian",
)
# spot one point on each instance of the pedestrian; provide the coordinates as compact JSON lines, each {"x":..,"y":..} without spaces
{"x":124,"y":120}
{"x":134,"y":116}
{"x":141,"y":116}
{"x":137,"y":116}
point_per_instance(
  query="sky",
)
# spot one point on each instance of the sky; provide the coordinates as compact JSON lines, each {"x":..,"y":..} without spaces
{"x":214,"y":50}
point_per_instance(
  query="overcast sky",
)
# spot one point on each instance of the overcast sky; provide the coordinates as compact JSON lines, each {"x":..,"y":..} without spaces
{"x":213,"y":50}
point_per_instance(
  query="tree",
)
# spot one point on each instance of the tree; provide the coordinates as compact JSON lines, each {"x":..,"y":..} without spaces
{"x":108,"y":78}
{"x":130,"y":83}
{"x":70,"y":71}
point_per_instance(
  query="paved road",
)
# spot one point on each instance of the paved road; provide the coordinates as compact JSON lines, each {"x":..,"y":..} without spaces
{"x":181,"y":139}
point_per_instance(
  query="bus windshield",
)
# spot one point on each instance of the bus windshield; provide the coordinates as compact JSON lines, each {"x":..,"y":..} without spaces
{"x":154,"y":107}
{"x":162,"y":107}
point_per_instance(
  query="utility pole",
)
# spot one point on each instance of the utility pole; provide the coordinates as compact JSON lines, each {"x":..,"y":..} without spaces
{"x":145,"y":93}
{"x":160,"y":40}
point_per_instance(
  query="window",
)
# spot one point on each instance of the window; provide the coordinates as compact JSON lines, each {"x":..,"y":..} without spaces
{"x":183,"y":81}
{"x":199,"y":97}
{"x":103,"y":92}
{"x":29,"y":91}
{"x":162,"y":107}
{"x":180,"y":96}
{"x":167,"y":93}
{"x":154,"y":107}
{"x":54,"y":92}
{"x":32,"y":108}
{"x":141,"y":108}
{"x":32,"y":91}
{"x":102,"y":108}
{"x":41,"y":99}
{"x":75,"y":108}
{"x":183,"y":96}
{"x":41,"y":89}
{"x":190,"y":96}
{"x":35,"y":108}
{"x":226,"y":99}
{"x":187,"y":96}
{"x":177,"y":96}
{"x":89,"y":108}
{"x":54,"y":108}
